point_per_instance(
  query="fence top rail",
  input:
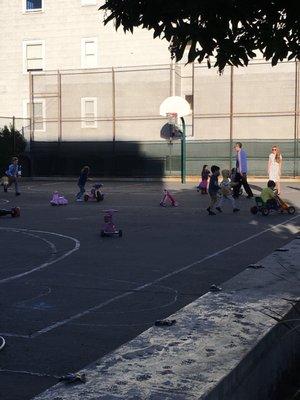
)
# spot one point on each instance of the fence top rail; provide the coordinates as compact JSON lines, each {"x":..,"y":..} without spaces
{"x":105,"y":70}
{"x":136,"y":68}
{"x":11,"y":117}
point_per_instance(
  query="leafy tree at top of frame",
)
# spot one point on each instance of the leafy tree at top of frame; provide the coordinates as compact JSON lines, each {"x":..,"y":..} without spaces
{"x":226,"y":31}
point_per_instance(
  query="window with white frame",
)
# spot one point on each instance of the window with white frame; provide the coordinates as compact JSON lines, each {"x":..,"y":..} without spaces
{"x":33,"y":55}
{"x":89,"y":112}
{"x":89,"y":53}
{"x":88,"y":2}
{"x":38,"y":114}
{"x":32,"y":5}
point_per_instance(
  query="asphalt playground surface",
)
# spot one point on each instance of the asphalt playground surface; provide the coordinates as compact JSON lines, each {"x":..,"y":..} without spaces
{"x":68,"y":296}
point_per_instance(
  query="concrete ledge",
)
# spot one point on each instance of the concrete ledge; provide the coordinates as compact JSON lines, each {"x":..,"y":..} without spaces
{"x":224,"y":345}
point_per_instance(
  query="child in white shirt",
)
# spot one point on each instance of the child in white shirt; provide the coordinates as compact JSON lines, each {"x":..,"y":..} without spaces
{"x":226,"y":191}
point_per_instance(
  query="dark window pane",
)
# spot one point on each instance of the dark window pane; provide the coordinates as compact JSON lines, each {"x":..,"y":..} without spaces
{"x":33,"y":4}
{"x":190,"y":99}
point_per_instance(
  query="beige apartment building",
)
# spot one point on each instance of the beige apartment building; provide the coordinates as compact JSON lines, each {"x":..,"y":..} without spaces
{"x":86,"y":93}
{"x":52,"y":35}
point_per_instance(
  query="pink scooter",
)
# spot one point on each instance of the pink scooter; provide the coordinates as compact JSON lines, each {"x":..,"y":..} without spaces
{"x":58,"y":200}
{"x":109,"y":228}
{"x":168,"y":197}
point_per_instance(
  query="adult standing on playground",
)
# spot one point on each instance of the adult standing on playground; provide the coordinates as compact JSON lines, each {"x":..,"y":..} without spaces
{"x":274,"y":166}
{"x":242,"y":169}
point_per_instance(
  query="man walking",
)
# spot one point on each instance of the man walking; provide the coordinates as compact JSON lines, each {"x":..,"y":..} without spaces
{"x":242,"y":169}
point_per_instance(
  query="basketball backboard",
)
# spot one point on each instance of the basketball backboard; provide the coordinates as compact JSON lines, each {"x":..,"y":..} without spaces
{"x":175,"y":105}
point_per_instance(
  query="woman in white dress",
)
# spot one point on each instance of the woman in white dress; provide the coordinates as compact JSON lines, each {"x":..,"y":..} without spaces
{"x":274,"y":166}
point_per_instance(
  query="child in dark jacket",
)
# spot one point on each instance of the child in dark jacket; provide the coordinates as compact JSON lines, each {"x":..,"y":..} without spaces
{"x":204,"y":180}
{"x":213,"y":188}
{"x":83,"y":177}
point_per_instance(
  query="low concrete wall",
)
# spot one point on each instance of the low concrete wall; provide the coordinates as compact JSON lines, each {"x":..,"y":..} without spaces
{"x":224,"y":346}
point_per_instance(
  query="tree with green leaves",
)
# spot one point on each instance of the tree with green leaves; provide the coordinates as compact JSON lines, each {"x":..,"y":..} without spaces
{"x":222,"y":32}
{"x":12,"y":143}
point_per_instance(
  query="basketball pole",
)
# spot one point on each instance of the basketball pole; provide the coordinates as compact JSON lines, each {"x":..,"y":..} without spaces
{"x":183,"y":152}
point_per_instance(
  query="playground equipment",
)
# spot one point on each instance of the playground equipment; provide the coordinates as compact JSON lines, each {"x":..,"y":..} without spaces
{"x":167,"y":197}
{"x":109,"y":227}
{"x":14,"y":212}
{"x":265,"y":208}
{"x":175,"y":107}
{"x":58,"y":200}
{"x":95,"y":193}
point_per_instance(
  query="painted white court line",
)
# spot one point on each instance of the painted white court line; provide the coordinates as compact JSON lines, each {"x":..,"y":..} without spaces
{"x":10,"y":334}
{"x":142,"y":287}
{"x":50,"y":244}
{"x":47,"y":263}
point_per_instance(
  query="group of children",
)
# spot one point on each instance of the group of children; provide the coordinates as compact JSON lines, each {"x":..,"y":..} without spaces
{"x":209,"y":184}
{"x":228,"y":189}
{"x":219,"y":193}
{"x":13,"y":174}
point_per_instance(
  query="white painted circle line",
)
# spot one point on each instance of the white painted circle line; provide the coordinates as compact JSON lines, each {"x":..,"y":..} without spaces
{"x":139,"y":288}
{"x":50,"y":244}
{"x":47,"y":263}
{"x":2,"y":342}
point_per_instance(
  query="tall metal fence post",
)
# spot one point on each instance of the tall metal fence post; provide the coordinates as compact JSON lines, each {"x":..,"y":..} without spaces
{"x":59,"y":107}
{"x":193,"y":97}
{"x":183,"y":152}
{"x":14,"y":134}
{"x":172,"y":79}
{"x":31,"y":112}
{"x":113,"y":77}
{"x":231,"y":118}
{"x":296,"y":120}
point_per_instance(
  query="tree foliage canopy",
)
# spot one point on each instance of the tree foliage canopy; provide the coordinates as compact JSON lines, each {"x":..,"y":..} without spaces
{"x":228,"y":31}
{"x":12,"y":143}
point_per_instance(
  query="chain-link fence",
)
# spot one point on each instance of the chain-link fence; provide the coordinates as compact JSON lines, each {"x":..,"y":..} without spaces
{"x":115,"y":111}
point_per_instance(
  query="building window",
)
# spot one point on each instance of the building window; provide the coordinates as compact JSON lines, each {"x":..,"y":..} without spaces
{"x":32,"y":5}
{"x":89,"y":53}
{"x":33,"y":55}
{"x":89,"y":112}
{"x":190,"y":99}
{"x":88,"y":2}
{"x":39,"y":114}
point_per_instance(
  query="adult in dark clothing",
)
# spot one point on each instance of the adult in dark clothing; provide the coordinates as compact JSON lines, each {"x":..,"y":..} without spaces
{"x":242,"y":169}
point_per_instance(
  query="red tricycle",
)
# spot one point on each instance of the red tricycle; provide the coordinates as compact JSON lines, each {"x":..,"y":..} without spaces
{"x":109,"y":228}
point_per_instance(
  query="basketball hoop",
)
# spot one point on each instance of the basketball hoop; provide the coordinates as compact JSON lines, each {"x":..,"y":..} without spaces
{"x":172,"y":118}
{"x":171,"y":131}
{"x":175,"y":104}
{"x":172,"y":108}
